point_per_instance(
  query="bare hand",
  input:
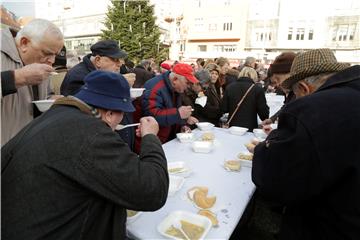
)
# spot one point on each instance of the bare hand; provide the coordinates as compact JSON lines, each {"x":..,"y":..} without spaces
{"x":185,"y":129}
{"x":266,"y":122}
{"x":185,"y":112}
{"x":192,"y":120}
{"x":32,"y":74}
{"x":267,"y":129}
{"x":148,"y":125}
{"x":130,"y":77}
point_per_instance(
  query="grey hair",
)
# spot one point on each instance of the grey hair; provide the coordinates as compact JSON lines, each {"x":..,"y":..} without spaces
{"x":143,"y":63}
{"x":249,"y":61}
{"x":36,"y":30}
{"x":316,"y":80}
{"x":172,"y":75}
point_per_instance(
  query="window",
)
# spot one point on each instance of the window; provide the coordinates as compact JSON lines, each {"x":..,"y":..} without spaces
{"x":342,"y":33}
{"x":311,"y":34}
{"x":290,"y":33}
{"x":212,"y":27}
{"x":201,"y":48}
{"x":227,"y":26}
{"x":224,"y":48}
{"x":227,"y":2}
{"x":300,"y":34}
{"x":351,"y":32}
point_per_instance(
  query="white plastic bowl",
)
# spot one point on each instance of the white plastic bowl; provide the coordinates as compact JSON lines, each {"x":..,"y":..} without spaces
{"x":202,"y":146}
{"x":177,"y":216}
{"x":238,"y":130}
{"x":179,"y":169}
{"x":185,"y":137}
{"x":132,"y":218}
{"x":259,"y":133}
{"x":43,"y":105}
{"x":205,"y":126}
{"x":136,"y":92}
{"x":175,"y":184}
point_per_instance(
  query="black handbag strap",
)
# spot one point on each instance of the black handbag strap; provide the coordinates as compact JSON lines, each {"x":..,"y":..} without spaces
{"x":239,"y":104}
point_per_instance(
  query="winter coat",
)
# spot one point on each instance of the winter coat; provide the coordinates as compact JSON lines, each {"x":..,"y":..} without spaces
{"x":254,"y":104}
{"x":311,"y":163}
{"x":67,"y":175}
{"x":211,"y":110}
{"x":162,"y":102}
{"x":16,"y":108}
{"x":74,"y":79}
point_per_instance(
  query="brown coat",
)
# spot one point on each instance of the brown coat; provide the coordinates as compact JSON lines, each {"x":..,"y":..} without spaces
{"x":16,"y":109}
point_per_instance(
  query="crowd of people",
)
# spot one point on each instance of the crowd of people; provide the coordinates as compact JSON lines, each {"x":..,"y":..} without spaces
{"x":69,"y":173}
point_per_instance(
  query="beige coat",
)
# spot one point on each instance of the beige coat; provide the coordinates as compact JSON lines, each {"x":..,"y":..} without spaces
{"x":16,"y":109}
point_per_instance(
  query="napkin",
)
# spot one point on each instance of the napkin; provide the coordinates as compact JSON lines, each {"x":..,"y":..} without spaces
{"x":201,"y":101}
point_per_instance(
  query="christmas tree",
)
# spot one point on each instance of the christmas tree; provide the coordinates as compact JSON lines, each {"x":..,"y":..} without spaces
{"x":132,"y":24}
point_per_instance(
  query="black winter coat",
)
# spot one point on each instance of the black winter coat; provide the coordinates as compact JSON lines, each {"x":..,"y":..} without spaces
{"x":68,"y":176}
{"x":211,"y":110}
{"x":142,"y":75}
{"x":254,"y":104}
{"x":311,"y":163}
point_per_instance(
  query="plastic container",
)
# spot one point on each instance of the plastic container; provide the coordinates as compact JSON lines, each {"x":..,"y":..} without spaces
{"x":43,"y":105}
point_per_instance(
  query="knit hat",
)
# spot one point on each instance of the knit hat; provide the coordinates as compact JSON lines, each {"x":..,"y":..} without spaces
{"x":312,"y":63}
{"x":282,"y":63}
{"x":107,"y":90}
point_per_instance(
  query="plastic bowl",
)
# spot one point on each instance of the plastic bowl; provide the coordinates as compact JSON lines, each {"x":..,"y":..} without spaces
{"x":136,"y":92}
{"x":205,"y":126}
{"x":43,"y":105}
{"x":185,"y":137}
{"x":238,"y":130}
{"x":259,"y":133}
{"x":202,"y":146}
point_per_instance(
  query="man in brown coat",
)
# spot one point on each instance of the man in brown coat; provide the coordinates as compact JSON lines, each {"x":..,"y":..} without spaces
{"x":25,"y":64}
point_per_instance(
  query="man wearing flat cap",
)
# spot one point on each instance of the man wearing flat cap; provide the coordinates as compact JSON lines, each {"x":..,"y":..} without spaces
{"x":311,"y":163}
{"x":105,"y":55}
{"x":162,"y":100}
{"x":67,"y":175}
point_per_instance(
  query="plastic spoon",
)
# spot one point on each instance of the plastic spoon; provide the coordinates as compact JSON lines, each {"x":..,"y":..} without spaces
{"x":120,"y":127}
{"x":178,"y":226}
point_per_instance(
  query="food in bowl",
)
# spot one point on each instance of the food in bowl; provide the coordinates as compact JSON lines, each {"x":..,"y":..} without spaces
{"x":44,"y":105}
{"x":208,"y":136}
{"x":210,"y":215}
{"x":136,"y":92}
{"x":232,"y":165}
{"x":131,"y":213}
{"x":192,"y":231}
{"x":246,"y":155}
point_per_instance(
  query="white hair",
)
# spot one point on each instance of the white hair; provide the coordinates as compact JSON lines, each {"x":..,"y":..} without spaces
{"x":36,"y":30}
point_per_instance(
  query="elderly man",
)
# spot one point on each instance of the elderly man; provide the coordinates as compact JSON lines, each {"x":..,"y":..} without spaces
{"x":162,"y":100}
{"x":311,"y":162}
{"x":25,"y":64}
{"x":105,"y":55}
{"x":67,"y":175}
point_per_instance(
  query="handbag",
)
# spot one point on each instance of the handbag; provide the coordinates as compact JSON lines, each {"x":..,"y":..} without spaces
{"x":226,"y":125}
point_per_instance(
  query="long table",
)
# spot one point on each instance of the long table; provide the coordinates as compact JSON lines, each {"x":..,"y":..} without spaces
{"x":232,"y":189}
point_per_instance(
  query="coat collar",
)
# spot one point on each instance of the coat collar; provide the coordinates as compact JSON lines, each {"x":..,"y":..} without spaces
{"x":8,"y":45}
{"x":345,"y":76}
{"x":245,"y":79}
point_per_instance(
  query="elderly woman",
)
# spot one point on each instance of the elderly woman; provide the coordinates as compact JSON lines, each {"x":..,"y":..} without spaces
{"x":254,"y":103}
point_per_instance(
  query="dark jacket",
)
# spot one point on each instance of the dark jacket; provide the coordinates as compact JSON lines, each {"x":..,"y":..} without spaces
{"x":311,"y":163}
{"x":211,"y":110}
{"x":142,"y":75}
{"x":74,"y":80}
{"x":68,"y":176}
{"x":253,"y":105}
{"x":162,"y":102}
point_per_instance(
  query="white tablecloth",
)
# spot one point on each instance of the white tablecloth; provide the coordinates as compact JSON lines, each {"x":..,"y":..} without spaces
{"x":232,"y":189}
